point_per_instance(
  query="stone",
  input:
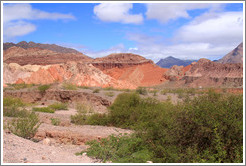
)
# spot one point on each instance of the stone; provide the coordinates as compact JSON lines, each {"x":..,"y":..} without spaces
{"x":46,"y":141}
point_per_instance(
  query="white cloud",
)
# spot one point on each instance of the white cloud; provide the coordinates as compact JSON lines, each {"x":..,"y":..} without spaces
{"x":155,"y":50}
{"x":101,"y":53}
{"x":222,"y":28}
{"x":117,"y":12}
{"x":164,"y":12}
{"x":16,"y":17}
{"x":19,"y":28}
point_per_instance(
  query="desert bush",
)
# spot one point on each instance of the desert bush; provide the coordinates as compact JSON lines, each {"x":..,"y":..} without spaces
{"x":84,"y":87}
{"x":141,"y":91}
{"x":43,"y":88}
{"x":110,"y":94}
{"x":25,"y":127}
{"x":109,"y":88}
{"x":43,"y":109}
{"x":96,"y":90}
{"x":12,"y":102}
{"x":55,"y":121}
{"x":21,"y":86}
{"x":208,"y":128}
{"x":69,"y":86}
{"x":80,"y":118}
{"x":120,"y":149}
{"x":58,"y":106}
{"x":97,"y":119}
{"x":13,"y":107}
{"x":15,"y":112}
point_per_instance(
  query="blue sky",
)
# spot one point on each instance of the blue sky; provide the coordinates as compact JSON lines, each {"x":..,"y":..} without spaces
{"x":186,"y":31}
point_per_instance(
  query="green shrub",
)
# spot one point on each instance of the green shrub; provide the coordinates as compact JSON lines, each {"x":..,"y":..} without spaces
{"x":120,"y":149}
{"x":109,"y":88}
{"x":84,"y":87}
{"x":25,"y":127}
{"x":110,"y":94}
{"x":96,"y":90}
{"x":81,"y":117}
{"x":21,"y":86}
{"x":58,"y":106}
{"x":15,"y":112}
{"x":97,"y":119}
{"x":55,"y":121}
{"x":43,"y":88}
{"x":12,"y":102}
{"x":43,"y":109}
{"x":208,"y":128}
{"x":84,"y":108}
{"x":68,"y":86}
{"x":141,"y":91}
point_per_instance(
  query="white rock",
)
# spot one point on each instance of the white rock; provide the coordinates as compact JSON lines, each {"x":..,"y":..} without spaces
{"x":46,"y":141}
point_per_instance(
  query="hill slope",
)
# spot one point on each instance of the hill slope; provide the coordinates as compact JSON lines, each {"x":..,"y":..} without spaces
{"x":52,"y":47}
{"x":235,"y":56}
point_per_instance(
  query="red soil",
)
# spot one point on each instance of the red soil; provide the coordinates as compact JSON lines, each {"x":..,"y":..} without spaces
{"x":141,"y":75}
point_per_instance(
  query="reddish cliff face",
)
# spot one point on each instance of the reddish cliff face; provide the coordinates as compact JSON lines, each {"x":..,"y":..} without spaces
{"x":207,"y":73}
{"x":131,"y":68}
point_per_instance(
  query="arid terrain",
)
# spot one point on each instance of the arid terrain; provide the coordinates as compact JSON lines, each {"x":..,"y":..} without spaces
{"x":44,"y":75}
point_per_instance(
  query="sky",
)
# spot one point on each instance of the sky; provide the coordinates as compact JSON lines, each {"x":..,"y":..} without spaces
{"x":152,"y":30}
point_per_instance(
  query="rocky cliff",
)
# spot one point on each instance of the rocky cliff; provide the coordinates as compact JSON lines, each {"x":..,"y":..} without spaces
{"x":207,"y":73}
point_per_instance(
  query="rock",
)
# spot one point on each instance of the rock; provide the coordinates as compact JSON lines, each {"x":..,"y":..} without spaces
{"x":46,"y":141}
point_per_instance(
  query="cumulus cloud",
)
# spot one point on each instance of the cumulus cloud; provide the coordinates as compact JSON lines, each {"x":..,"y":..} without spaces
{"x":16,"y":19}
{"x":19,"y":28}
{"x":119,"y":48}
{"x":216,"y":28}
{"x":164,"y":12}
{"x":117,"y":12}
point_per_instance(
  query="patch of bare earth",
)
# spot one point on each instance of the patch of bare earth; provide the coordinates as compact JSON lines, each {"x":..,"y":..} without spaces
{"x":57,"y":144}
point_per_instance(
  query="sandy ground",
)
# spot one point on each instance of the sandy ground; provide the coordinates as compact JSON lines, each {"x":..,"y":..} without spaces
{"x":20,"y":150}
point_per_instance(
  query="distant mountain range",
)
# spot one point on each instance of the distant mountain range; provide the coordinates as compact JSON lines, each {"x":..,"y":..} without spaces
{"x":170,"y":61}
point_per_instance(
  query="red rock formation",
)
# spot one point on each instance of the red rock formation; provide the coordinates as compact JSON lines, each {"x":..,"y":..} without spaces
{"x":207,"y":73}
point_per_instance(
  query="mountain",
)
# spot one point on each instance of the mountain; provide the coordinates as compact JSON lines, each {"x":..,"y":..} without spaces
{"x":235,"y":56}
{"x":170,"y":61}
{"x":52,"y":47}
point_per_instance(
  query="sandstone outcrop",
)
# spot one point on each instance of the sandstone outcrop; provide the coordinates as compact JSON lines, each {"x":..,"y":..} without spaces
{"x":207,"y":73}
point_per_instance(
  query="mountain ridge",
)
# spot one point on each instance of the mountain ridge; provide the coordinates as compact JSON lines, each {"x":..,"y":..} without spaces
{"x":170,"y":61}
